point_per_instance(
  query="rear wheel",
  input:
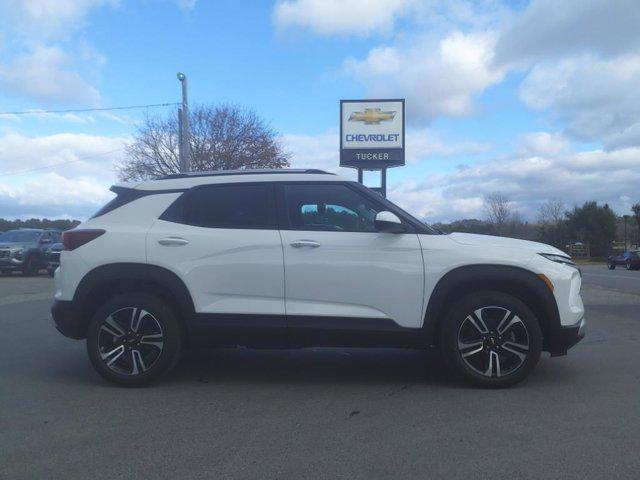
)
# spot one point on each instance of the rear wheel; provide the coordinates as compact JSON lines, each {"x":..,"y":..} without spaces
{"x":492,"y":339}
{"x":628,"y":265}
{"x":133,"y":339}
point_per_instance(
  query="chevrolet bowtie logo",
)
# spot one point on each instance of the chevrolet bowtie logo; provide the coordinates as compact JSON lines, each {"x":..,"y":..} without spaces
{"x":372,"y":116}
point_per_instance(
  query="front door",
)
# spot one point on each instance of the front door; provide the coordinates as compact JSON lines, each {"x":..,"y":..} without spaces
{"x":340,"y":273}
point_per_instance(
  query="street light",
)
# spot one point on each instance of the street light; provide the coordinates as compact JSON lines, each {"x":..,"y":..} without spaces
{"x":185,"y":142}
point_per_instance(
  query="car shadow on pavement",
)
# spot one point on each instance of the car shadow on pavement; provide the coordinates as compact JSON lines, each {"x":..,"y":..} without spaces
{"x":399,"y":368}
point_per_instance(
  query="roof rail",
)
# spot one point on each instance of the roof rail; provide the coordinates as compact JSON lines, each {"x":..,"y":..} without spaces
{"x":256,"y":171}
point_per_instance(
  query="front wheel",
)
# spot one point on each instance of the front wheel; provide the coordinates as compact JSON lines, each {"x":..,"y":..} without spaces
{"x":611,"y":266}
{"x":492,"y":339}
{"x":133,"y":339}
{"x":628,"y":265}
{"x":30,"y":266}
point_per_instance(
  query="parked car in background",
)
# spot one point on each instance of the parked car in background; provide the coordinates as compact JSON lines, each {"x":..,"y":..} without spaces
{"x":303,"y":258}
{"x":629,"y":259}
{"x":24,"y":250}
{"x":53,"y":257}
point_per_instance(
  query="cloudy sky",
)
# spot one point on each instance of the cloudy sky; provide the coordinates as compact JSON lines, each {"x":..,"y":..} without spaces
{"x":536,"y":100}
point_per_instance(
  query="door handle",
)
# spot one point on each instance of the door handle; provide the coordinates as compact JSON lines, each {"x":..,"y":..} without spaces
{"x":173,"y":241}
{"x":305,"y":243}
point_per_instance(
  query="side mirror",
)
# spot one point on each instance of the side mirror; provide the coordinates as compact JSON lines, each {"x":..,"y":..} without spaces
{"x":387,"y":222}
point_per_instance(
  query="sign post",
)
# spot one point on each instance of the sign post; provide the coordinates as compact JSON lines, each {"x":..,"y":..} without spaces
{"x":372,"y":136}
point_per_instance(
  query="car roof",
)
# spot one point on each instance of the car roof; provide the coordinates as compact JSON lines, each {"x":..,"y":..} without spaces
{"x":182,"y":181}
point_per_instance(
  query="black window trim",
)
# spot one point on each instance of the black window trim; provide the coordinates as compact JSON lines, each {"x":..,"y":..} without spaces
{"x":126,"y":195}
{"x":271,"y":207}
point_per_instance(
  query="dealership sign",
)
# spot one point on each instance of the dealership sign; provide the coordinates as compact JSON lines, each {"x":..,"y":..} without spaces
{"x":371,"y":133}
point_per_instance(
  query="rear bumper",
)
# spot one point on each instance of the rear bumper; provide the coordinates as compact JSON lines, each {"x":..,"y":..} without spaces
{"x":68,"y":319}
{"x":566,"y":337}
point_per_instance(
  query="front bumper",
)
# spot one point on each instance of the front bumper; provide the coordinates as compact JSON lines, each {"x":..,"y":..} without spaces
{"x":68,"y":319}
{"x":10,"y":263}
{"x":566,"y":337}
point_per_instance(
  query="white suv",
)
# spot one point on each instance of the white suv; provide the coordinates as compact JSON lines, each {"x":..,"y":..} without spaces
{"x":302,"y":258}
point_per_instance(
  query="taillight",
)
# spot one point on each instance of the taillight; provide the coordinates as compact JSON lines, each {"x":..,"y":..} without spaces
{"x":73,"y":239}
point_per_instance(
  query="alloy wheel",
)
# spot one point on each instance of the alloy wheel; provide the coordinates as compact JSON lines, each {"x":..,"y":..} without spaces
{"x":493,"y":341}
{"x":130,"y":341}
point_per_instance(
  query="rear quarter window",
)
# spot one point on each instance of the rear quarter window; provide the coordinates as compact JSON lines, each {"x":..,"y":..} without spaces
{"x":240,"y":206}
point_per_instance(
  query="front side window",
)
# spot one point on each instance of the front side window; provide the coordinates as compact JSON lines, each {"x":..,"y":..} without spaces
{"x":224,"y":206}
{"x":329,"y":207}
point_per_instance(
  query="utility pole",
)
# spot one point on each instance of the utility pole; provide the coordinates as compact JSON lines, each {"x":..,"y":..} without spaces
{"x":185,"y":138}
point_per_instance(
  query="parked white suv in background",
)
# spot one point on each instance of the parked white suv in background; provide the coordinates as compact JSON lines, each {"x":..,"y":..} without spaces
{"x":301,"y":258}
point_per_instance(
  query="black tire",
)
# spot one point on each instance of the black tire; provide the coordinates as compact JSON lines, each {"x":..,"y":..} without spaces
{"x":499,"y":359}
{"x":30,"y":266}
{"x":124,"y":366}
{"x":628,"y":265}
{"x":611,"y":266}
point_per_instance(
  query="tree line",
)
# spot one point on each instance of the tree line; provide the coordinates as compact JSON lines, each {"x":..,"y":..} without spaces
{"x":58,"y":224}
{"x":592,"y":223}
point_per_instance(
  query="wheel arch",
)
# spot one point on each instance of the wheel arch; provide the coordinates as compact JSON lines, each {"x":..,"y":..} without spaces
{"x":519,"y":282}
{"x":110,"y":279}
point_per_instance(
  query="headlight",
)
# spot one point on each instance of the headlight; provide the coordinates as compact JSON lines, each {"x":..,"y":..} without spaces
{"x":559,"y":259}
{"x":18,"y":252}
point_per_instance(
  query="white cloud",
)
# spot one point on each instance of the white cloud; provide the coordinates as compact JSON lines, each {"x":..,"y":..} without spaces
{"x":527,"y":180}
{"x":423,"y":143}
{"x":598,"y":99}
{"x":41,"y":65}
{"x":437,"y":77}
{"x":53,"y":192}
{"x":346,"y":17}
{"x":68,"y":174}
{"x":186,"y":5}
{"x":552,"y":29}
{"x":543,"y":143}
{"x":45,"y":19}
{"x":313,"y":151}
{"x":43,"y":74}
{"x":19,"y":152}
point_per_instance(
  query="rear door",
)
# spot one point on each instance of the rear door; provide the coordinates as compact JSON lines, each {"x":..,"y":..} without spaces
{"x":340,"y":272}
{"x":223,"y":242}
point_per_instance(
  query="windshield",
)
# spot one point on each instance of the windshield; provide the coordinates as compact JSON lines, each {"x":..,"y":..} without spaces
{"x":16,"y":236}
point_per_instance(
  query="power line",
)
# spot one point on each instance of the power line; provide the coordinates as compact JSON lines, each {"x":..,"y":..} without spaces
{"x":82,"y":110}
{"x":29,"y":170}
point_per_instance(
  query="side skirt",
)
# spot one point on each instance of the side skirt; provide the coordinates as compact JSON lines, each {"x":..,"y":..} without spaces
{"x":281,"y":332}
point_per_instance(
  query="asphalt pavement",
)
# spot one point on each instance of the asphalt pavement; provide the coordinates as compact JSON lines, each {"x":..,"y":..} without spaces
{"x":320,"y":413}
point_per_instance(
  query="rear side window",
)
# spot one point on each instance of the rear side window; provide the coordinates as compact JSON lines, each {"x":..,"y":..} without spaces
{"x":225,"y":206}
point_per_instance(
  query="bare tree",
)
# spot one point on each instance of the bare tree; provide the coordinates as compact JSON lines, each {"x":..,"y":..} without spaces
{"x":551,"y":212}
{"x":498,"y":210}
{"x":222,"y":138}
